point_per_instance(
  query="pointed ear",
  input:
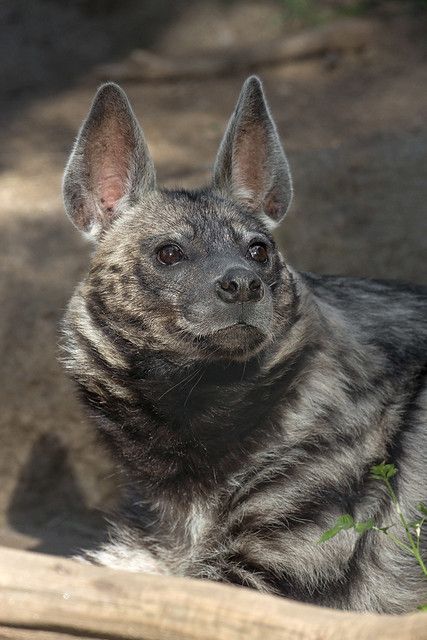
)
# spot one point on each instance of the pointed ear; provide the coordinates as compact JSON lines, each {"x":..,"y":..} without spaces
{"x":109,"y":167}
{"x":251,"y":167}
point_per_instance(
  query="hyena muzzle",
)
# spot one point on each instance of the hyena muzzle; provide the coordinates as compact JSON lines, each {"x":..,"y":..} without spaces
{"x":244,"y":402}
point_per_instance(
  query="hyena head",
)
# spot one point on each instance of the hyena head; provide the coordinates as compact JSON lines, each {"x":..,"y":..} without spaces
{"x":195,"y":273}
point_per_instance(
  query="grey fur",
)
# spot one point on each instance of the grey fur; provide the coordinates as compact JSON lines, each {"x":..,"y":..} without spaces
{"x":241,"y":446}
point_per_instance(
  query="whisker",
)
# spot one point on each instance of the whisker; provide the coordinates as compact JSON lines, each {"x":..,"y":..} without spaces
{"x":193,"y":387}
{"x":180,"y":382}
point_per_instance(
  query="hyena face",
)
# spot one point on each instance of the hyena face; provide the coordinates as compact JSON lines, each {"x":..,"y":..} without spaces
{"x":195,"y":273}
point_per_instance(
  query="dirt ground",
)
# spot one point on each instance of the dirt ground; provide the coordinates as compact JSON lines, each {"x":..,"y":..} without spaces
{"x":354,"y":128}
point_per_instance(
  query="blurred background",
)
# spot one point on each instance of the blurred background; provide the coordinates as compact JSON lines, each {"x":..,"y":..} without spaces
{"x":347,"y":83}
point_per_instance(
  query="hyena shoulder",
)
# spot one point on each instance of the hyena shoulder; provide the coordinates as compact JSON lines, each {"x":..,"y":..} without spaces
{"x":391,"y":314}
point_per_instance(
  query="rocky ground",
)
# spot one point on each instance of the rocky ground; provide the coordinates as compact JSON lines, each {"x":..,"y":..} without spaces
{"x":354,"y":128}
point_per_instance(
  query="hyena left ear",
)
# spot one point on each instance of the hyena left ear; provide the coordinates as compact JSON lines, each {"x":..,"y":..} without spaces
{"x":110,"y":166}
{"x":251,"y":166}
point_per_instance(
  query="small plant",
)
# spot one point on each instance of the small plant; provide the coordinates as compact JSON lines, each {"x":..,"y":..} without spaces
{"x":384,"y":472}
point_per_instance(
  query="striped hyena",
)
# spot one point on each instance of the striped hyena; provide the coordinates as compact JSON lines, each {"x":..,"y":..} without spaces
{"x":245,"y":402}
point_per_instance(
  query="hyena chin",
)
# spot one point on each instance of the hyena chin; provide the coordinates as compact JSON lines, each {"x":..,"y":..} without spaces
{"x":244,"y":402}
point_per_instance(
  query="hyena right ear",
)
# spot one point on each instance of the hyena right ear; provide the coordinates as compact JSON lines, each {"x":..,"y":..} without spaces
{"x":110,"y":166}
{"x":251,"y":167}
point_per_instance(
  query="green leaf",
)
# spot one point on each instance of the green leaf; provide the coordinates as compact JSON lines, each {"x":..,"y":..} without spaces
{"x":343,"y":522}
{"x":330,"y":533}
{"x":383,"y":471}
{"x":361,"y":527}
{"x":422,"y":508}
{"x":391,"y":471}
{"x":422,"y":607}
{"x":377,"y":472}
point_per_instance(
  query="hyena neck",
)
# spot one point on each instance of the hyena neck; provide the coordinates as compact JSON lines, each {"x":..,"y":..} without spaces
{"x":191,"y":431}
{"x":190,"y":426}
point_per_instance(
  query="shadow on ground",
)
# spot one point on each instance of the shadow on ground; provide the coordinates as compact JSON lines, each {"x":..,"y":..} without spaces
{"x":49,"y":504}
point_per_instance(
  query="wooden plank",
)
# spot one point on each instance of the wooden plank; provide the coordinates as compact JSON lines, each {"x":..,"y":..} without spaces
{"x":12,"y":633}
{"x":49,"y":594}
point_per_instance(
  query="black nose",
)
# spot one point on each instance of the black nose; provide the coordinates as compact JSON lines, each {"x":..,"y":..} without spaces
{"x":240,"y":285}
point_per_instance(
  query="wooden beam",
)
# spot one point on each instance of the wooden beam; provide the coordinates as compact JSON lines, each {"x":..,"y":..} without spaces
{"x":13,"y":633}
{"x":44,"y":597}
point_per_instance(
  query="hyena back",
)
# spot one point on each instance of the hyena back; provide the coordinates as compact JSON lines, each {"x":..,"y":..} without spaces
{"x":244,"y":402}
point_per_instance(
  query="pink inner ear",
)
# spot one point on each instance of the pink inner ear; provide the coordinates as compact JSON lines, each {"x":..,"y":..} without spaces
{"x":110,"y":190}
{"x":110,"y":159}
{"x":249,"y":165}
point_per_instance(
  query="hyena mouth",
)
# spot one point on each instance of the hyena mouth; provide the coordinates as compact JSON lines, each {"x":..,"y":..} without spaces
{"x":236,"y":340}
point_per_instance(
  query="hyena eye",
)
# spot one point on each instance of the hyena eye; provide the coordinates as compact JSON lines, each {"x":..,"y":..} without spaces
{"x":258,"y":252}
{"x":170,"y":254}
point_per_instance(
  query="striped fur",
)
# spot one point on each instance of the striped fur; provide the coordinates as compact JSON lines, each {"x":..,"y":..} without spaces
{"x":240,"y":447}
